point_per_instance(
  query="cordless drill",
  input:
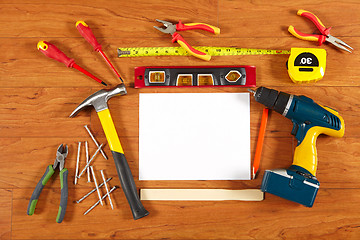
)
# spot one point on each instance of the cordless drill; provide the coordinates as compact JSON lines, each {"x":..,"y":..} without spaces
{"x":298,"y":183}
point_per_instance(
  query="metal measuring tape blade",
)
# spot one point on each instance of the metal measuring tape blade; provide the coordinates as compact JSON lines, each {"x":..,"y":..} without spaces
{"x":179,"y":51}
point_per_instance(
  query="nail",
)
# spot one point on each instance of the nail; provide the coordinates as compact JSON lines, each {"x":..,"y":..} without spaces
{"x":96,"y":143}
{"x":89,"y":193}
{"x":106,"y":187}
{"x":87,"y":160}
{"x":92,"y":158}
{"x":96,"y":185}
{"x":97,"y":203}
{"x":77,"y":163}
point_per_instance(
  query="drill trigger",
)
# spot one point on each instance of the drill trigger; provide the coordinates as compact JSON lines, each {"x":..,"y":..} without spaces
{"x":295,"y":129}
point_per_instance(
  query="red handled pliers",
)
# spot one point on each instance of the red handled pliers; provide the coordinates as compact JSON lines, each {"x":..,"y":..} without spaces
{"x":325,"y":32}
{"x":172,"y":28}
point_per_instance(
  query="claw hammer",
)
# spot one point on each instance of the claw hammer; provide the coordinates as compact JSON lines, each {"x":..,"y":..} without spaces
{"x":99,"y":101}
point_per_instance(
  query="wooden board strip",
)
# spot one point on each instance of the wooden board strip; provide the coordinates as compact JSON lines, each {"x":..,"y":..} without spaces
{"x":201,"y":194}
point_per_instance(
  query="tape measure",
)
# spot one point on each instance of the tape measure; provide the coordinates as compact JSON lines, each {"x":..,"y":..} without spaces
{"x":306,"y":64}
{"x":179,"y":51}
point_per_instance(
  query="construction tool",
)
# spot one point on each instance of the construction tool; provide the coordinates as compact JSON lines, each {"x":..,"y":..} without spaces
{"x":96,"y":185}
{"x":89,"y":193}
{"x":325,"y":32}
{"x":306,"y":64}
{"x":96,"y":143}
{"x":87,"y":160}
{"x":77,"y":163}
{"x":88,"y":163}
{"x":86,"y":32}
{"x":200,"y":76}
{"x":106,"y":187}
{"x":97,"y":203}
{"x":171,"y":28}
{"x":53,"y":52}
{"x":61,"y":155}
{"x":298,"y":183}
{"x":179,"y":51}
{"x":99,"y":101}
{"x":260,"y":142}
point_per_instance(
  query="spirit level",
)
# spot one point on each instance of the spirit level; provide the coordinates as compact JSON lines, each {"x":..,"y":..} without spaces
{"x":201,"y":76}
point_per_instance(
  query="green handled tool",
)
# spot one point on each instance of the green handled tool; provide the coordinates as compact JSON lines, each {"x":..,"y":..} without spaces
{"x":61,"y":154}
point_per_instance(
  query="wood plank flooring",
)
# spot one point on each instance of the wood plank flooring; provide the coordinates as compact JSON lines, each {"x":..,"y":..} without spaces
{"x":37,"y":95}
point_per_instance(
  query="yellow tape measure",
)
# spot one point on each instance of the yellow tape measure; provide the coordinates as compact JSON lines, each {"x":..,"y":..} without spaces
{"x":179,"y":51}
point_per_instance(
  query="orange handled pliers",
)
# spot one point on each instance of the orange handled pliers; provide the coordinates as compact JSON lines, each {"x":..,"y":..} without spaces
{"x":325,"y":32}
{"x":171,"y":28}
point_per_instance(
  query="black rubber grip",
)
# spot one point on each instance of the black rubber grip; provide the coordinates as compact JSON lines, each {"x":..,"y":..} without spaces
{"x":128,"y":185}
{"x":64,"y":195}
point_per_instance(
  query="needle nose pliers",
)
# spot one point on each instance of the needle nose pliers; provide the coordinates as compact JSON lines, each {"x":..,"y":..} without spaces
{"x":171,"y":28}
{"x":325,"y":32}
{"x":61,"y":155}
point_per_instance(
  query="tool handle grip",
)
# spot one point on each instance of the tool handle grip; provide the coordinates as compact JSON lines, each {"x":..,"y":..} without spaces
{"x":202,"y":26}
{"x":312,"y":17}
{"x":122,"y":167}
{"x":86,"y":32}
{"x":196,"y":53}
{"x":128,"y":185}
{"x":64,"y":195}
{"x":39,"y":187}
{"x":53,"y":52}
{"x":309,"y":37}
{"x":305,"y":154}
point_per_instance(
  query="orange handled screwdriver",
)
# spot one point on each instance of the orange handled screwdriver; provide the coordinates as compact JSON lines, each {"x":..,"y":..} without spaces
{"x":53,"y":52}
{"x":86,"y":32}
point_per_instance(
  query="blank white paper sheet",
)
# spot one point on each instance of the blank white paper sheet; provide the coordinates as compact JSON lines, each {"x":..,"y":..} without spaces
{"x":194,"y":136}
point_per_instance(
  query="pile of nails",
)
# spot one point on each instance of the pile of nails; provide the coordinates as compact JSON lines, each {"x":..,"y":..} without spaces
{"x":89,"y":168}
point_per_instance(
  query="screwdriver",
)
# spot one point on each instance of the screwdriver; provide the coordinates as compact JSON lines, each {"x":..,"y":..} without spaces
{"x":86,"y":32}
{"x":53,"y":52}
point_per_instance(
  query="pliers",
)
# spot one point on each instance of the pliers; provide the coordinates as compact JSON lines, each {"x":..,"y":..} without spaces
{"x":325,"y":32}
{"x":172,"y":28}
{"x":61,"y":154}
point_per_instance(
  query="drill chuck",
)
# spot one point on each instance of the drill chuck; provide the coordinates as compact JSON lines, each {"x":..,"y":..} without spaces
{"x":273,"y":99}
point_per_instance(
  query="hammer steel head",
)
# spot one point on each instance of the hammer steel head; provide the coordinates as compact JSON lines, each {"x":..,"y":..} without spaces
{"x":99,"y":99}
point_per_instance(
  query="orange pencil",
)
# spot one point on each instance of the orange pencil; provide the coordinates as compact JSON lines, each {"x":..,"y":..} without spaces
{"x":260,"y":142}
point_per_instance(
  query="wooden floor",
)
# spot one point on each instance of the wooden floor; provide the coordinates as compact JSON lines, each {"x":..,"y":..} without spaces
{"x":37,"y":95}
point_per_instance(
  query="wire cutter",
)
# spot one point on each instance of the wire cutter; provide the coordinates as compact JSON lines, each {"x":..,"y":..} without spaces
{"x":61,"y":154}
{"x":325,"y":32}
{"x":172,"y":28}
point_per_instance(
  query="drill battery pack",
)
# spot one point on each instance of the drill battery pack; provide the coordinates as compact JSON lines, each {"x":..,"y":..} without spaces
{"x":291,"y":184}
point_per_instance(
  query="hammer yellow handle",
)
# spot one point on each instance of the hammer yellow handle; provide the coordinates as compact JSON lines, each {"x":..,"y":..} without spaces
{"x":110,"y":131}
{"x":122,"y":166}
